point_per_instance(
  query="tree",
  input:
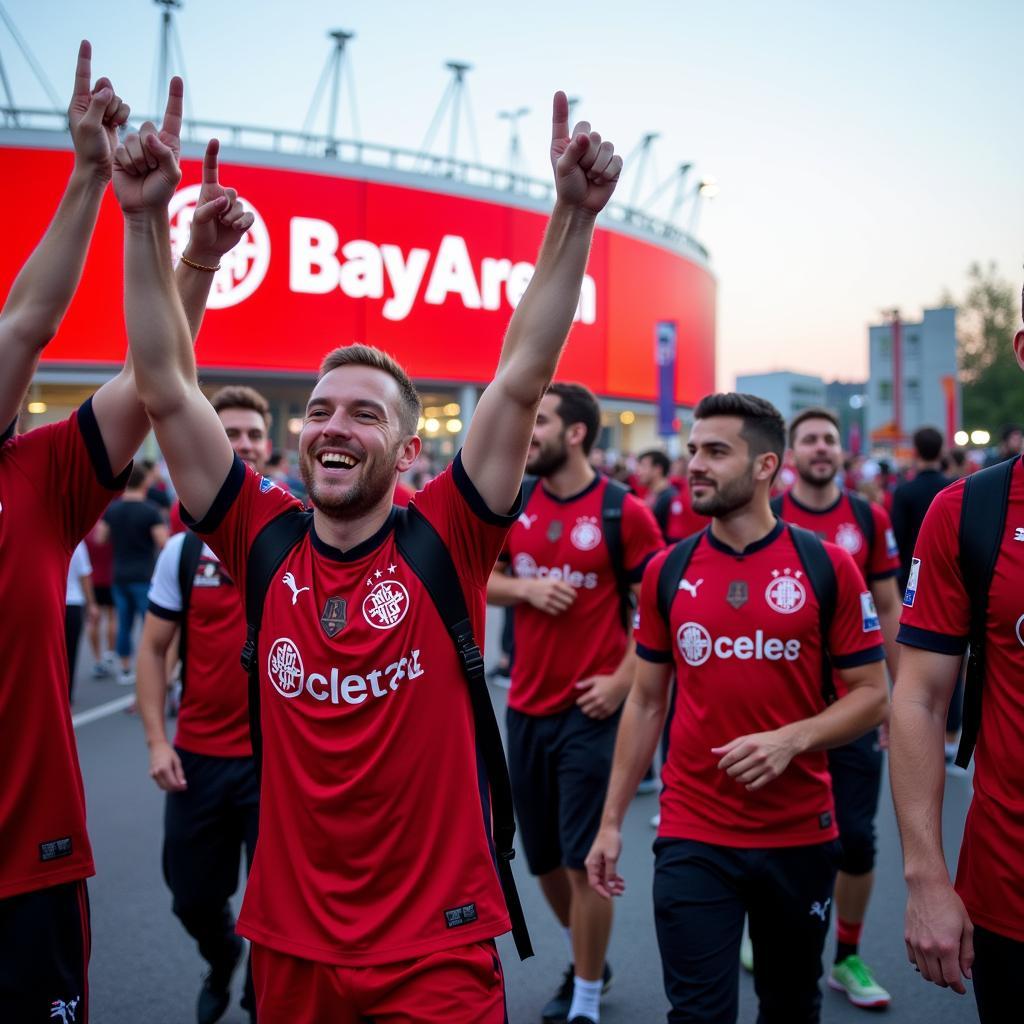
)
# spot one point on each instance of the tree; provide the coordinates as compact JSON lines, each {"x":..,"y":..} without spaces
{"x":988,"y":317}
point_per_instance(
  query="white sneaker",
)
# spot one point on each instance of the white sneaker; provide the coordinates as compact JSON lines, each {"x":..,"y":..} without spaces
{"x":126,"y":677}
{"x":656,"y":820}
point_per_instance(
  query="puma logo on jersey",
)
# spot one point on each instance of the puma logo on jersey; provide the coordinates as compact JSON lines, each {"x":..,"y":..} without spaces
{"x":1018,"y":533}
{"x":526,"y":521}
{"x":690,"y":588}
{"x":820,"y":909}
{"x":289,"y":581}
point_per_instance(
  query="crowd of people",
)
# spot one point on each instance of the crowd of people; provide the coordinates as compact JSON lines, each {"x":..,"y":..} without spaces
{"x":744,"y":608}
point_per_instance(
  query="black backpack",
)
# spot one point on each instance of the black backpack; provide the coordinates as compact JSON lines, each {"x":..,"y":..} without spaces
{"x":982,"y":522}
{"x":820,"y":572}
{"x":191,"y":551}
{"x":611,"y":523}
{"x":427,"y":556}
{"x":861,"y":512}
{"x":663,"y":508}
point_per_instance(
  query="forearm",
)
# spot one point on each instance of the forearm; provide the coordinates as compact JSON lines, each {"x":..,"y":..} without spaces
{"x":194,"y":288}
{"x":842,"y":722}
{"x":151,"y":691}
{"x":542,"y":319}
{"x":504,"y":591}
{"x":917,"y":775}
{"x":640,"y":727}
{"x":158,"y":333}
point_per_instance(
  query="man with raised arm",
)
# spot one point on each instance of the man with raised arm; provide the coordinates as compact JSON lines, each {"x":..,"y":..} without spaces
{"x":373,"y":891}
{"x":54,"y":483}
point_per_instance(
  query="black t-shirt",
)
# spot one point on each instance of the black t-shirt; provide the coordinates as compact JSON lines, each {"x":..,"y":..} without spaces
{"x":131,"y":534}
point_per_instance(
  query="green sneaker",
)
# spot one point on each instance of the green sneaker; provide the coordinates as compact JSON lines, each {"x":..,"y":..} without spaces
{"x":854,"y":977}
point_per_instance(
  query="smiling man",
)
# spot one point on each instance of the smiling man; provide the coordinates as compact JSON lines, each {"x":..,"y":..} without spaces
{"x":374,"y":891}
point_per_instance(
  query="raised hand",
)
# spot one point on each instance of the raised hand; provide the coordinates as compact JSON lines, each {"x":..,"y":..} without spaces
{"x":94,"y":115}
{"x":146,"y":170}
{"x":586,"y":168}
{"x":220,"y":220}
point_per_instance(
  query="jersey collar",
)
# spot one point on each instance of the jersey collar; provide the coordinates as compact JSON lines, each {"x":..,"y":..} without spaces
{"x":750,"y":549}
{"x":598,"y":477}
{"x":816,"y":511}
{"x":362,"y":549}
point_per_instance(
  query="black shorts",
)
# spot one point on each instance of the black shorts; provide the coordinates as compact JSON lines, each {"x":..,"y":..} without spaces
{"x":998,"y":964}
{"x":45,"y":941}
{"x":701,"y":894}
{"x":104,"y":595}
{"x":856,"y":784}
{"x":559,"y":765}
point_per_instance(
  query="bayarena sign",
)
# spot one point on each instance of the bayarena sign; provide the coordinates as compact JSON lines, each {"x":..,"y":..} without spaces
{"x":428,"y":274}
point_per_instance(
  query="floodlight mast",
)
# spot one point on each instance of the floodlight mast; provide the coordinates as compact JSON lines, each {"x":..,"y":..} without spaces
{"x":454,"y":99}
{"x":166,"y":41}
{"x":34,"y":65}
{"x":335,"y":70}
{"x":515,"y":152}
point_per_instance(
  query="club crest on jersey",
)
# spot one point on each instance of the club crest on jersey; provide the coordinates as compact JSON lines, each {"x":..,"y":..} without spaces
{"x":911,"y":592}
{"x":849,"y":538}
{"x":284,"y":666}
{"x":334,"y":616}
{"x":868,"y":613}
{"x":1017,"y":628}
{"x":386,"y":604}
{"x":694,"y":643}
{"x":266,"y":484}
{"x":586,"y":534}
{"x":738,"y":594}
{"x":785,"y":594}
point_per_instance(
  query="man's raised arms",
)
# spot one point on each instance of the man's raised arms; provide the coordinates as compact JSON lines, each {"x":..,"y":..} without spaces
{"x":586,"y":171}
{"x":161,"y":372}
{"x":44,"y":288}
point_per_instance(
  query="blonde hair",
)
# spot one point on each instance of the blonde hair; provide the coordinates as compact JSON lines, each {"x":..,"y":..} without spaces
{"x":367,"y":355}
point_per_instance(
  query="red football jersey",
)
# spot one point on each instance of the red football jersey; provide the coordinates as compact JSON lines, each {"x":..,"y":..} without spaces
{"x":563,"y":539}
{"x":682,"y":520}
{"x":214,"y":715}
{"x":936,"y":617}
{"x":838,"y":525}
{"x":374,"y":839}
{"x":747,"y":648}
{"x":54,"y":483}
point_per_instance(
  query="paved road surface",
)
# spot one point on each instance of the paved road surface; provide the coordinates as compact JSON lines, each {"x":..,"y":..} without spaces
{"x":144,"y":967}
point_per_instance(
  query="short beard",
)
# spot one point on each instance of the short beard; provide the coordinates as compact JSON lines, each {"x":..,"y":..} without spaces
{"x":726,"y":499}
{"x":548,"y":461}
{"x":817,"y":481}
{"x":369,"y":491}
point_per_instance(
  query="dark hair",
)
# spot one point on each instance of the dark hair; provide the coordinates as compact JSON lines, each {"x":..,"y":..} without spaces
{"x":238,"y":396}
{"x":813,"y":413}
{"x":764,"y":429}
{"x":928,"y":443}
{"x":577,"y":404}
{"x":376,"y":359}
{"x":1008,"y":430}
{"x":274,"y":459}
{"x":957,"y":456}
{"x":137,"y":477}
{"x":658,"y":458}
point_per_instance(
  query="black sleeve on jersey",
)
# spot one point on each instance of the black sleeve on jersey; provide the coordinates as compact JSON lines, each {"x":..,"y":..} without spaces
{"x":226,"y":496}
{"x":858,"y":658}
{"x":163,"y":613}
{"x":97,"y":450}
{"x":636,"y":575}
{"x":650,"y":654}
{"x":473,"y":499}
{"x":887,"y":575}
{"x":929,"y":640}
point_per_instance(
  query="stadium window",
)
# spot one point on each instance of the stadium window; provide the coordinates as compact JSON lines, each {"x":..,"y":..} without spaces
{"x":885,"y":390}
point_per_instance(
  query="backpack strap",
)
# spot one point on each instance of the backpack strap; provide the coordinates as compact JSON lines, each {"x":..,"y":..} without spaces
{"x":611,"y":525}
{"x":777,"y":503}
{"x":822,"y":576}
{"x":428,"y":557}
{"x":865,"y":518}
{"x":982,"y":521}
{"x":672,"y":570}
{"x":188,"y":563}
{"x":529,"y":486}
{"x":663,"y":508}
{"x":266,"y":554}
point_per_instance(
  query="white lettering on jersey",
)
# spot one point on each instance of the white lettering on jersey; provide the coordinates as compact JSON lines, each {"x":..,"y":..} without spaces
{"x":785,"y":594}
{"x":911,"y":592}
{"x":690,"y":588}
{"x":526,"y":568}
{"x":357,"y":687}
{"x":696,"y":645}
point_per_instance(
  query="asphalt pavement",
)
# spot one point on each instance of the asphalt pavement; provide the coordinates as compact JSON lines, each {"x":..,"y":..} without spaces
{"x":145,"y":968}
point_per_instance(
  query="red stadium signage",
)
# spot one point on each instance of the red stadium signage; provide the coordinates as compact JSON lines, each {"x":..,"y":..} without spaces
{"x":429,"y":276}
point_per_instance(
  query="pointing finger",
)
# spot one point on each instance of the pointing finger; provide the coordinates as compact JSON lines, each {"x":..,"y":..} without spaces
{"x":172,"y":114}
{"x":560,"y":116}
{"x":210,"y":162}
{"x":83,"y":70}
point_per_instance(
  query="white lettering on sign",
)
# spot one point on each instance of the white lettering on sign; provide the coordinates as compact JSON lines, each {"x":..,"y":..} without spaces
{"x":361,"y":269}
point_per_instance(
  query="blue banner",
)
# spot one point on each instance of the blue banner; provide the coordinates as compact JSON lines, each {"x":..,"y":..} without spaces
{"x":665,"y":360}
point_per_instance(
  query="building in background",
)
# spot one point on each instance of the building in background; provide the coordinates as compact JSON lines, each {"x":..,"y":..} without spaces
{"x":913,"y":379}
{"x":848,"y":400}
{"x":789,"y":392}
